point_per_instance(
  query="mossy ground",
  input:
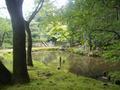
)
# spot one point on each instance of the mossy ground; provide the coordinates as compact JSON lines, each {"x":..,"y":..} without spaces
{"x":48,"y":77}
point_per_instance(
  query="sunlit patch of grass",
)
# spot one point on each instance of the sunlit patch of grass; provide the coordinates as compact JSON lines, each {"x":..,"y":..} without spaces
{"x":45,"y":48}
{"x":7,"y":59}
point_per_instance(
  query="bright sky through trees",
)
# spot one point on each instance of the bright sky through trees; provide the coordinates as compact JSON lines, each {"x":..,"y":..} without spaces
{"x":60,"y":3}
{"x":28,"y":6}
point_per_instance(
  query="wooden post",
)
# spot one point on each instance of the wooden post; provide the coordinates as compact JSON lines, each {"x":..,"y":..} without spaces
{"x":60,"y":62}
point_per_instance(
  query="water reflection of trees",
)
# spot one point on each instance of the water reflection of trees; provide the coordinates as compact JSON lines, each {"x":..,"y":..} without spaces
{"x":92,"y":67}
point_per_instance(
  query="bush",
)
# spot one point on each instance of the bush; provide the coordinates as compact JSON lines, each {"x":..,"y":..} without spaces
{"x":112,"y":52}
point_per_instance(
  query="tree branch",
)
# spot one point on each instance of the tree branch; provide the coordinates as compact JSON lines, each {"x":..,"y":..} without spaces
{"x":37,"y":9}
{"x":112,"y":31}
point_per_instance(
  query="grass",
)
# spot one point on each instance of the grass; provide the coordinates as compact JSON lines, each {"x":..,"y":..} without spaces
{"x":48,"y":77}
{"x":45,"y":48}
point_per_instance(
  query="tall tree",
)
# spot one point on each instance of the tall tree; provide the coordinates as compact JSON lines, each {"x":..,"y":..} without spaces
{"x":27,"y":24}
{"x":20,"y":74}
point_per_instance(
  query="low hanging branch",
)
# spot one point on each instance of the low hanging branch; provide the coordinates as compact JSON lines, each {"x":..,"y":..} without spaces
{"x":27,"y":25}
{"x":112,"y":31}
{"x":37,"y":9}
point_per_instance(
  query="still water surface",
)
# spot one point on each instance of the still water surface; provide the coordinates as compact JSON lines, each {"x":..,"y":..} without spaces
{"x":80,"y":65}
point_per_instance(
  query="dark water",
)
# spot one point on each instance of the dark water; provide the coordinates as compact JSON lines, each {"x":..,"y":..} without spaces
{"x":80,"y":65}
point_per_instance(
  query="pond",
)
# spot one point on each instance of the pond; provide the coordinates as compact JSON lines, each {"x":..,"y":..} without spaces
{"x":80,"y":65}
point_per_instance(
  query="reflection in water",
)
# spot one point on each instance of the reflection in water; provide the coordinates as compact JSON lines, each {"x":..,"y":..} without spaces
{"x":92,"y":67}
{"x":49,"y":56}
{"x":80,"y":65}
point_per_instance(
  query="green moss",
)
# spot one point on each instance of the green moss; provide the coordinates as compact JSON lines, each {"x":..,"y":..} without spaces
{"x":48,"y":77}
{"x":7,"y":59}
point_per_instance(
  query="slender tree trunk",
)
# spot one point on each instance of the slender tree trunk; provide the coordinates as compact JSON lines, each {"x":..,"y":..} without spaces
{"x":27,"y":25}
{"x":20,"y":74}
{"x":117,"y":13}
{"x":2,"y":40}
{"x":29,"y":46}
{"x":90,"y":41}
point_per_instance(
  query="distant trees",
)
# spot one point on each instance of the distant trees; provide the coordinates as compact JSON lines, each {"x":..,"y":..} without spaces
{"x":4,"y":29}
{"x":51,"y":24}
{"x":85,"y":17}
{"x":20,"y":74}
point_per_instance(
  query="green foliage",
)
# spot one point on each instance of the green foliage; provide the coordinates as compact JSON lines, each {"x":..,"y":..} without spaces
{"x":115,"y":76}
{"x":95,"y":24}
{"x":112,"y":52}
{"x":50,"y":24}
{"x":59,"y":31}
{"x":5,"y":32}
{"x":4,"y":25}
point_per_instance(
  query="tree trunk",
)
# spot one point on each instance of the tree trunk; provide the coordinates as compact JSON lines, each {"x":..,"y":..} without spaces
{"x":117,"y":13}
{"x":90,"y":41}
{"x":27,"y":25}
{"x":29,"y":46}
{"x":2,"y":40}
{"x":5,"y":75}
{"x":20,"y":74}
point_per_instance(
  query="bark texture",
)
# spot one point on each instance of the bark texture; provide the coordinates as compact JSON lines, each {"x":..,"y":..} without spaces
{"x":20,"y":74}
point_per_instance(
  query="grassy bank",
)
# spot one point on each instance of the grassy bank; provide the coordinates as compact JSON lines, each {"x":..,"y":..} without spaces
{"x":48,"y":77}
